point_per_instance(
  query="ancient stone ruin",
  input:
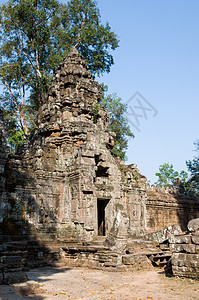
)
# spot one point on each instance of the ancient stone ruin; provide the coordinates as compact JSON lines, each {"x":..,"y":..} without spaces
{"x":65,"y":198}
{"x":166,"y":206}
{"x":185,"y":251}
{"x":65,"y":179}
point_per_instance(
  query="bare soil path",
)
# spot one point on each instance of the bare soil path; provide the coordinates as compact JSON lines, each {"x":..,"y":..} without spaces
{"x":76,"y":284}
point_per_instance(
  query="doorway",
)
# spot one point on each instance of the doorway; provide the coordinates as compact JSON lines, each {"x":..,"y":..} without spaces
{"x":101,"y":213}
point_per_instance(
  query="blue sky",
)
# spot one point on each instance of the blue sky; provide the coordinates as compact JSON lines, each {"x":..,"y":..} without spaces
{"x":158,"y":57}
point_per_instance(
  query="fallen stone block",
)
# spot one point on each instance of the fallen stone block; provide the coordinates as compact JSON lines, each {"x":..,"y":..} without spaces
{"x":188,"y":248}
{"x":180,"y":239}
{"x":137,"y":260}
{"x":195,"y":239}
{"x":128,"y":259}
{"x":14,"y":277}
{"x":178,"y":257}
{"x":165,"y":234}
{"x":193,"y":225}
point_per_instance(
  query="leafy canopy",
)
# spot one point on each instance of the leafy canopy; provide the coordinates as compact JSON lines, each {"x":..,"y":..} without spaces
{"x":117,"y":122}
{"x":193,"y":167}
{"x":35,"y":36}
{"x":167,"y":176}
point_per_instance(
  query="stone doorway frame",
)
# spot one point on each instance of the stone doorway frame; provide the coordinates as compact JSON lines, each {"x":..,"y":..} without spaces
{"x":101,"y":216}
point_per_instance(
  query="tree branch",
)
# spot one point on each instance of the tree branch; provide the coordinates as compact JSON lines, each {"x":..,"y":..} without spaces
{"x":38,"y":67}
{"x":79,"y":34}
{"x":11,"y":93}
{"x":30,"y":61}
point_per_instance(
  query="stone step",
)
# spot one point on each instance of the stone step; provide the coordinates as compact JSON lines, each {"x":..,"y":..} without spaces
{"x":98,"y":241}
{"x":141,"y":241}
{"x":14,"y":253}
{"x":145,"y":251}
{"x":139,"y":260}
{"x":141,"y":245}
{"x":22,"y":235}
{"x":12,"y":266}
{"x":85,"y":248}
{"x":160,"y":259}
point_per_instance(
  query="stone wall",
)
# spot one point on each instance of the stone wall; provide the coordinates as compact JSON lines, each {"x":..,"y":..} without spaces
{"x":185,"y":252}
{"x":185,"y":256}
{"x":169,"y":206}
{"x":4,"y":150}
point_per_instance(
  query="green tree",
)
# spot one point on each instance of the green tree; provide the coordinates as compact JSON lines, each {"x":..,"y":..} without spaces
{"x":193,"y":167}
{"x":117,"y":122}
{"x":167,"y":175}
{"x":81,"y":19}
{"x":15,"y":135}
{"x":35,"y":36}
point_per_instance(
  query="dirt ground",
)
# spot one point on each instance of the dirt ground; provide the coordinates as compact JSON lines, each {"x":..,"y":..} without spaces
{"x":74,"y":284}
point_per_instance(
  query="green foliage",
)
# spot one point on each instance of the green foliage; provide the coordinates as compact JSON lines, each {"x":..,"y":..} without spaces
{"x":95,"y":113}
{"x":81,"y":19}
{"x":35,"y":36}
{"x":15,"y":139}
{"x":167,"y":175}
{"x":15,"y":136}
{"x":117,"y":122}
{"x":193,"y":167}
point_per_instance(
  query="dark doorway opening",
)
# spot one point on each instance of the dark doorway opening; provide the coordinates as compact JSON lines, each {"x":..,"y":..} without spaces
{"x":101,"y":205}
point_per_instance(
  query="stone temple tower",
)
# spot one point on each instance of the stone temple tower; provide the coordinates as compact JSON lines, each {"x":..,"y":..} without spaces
{"x":65,"y":178}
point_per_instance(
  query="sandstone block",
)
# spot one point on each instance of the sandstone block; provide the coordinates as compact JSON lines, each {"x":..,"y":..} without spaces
{"x":174,"y":269}
{"x":195,"y":239}
{"x":182,"y":239}
{"x":175,"y":248}
{"x":178,"y":257}
{"x":180,"y":263}
{"x":165,"y":234}
{"x":128,"y":259}
{"x":188,"y":263}
{"x":197,"y":249}
{"x":188,"y":248}
{"x":183,"y":269}
{"x":193,"y":225}
{"x":175,"y":262}
{"x":14,"y":277}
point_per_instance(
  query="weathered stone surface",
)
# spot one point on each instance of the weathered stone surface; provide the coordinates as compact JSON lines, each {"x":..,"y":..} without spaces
{"x":117,"y":237}
{"x":185,"y":255}
{"x":165,"y":234}
{"x":180,"y":239}
{"x":4,"y":150}
{"x":65,"y":180}
{"x":188,"y":248}
{"x":195,"y":239}
{"x":64,"y":187}
{"x":193,"y":225}
{"x":136,"y":261}
{"x":12,"y":267}
{"x":168,"y":206}
{"x":14,"y":277}
{"x":185,"y":265}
